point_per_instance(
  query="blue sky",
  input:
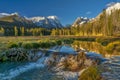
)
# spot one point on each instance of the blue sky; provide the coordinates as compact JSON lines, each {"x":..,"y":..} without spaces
{"x":66,"y":10}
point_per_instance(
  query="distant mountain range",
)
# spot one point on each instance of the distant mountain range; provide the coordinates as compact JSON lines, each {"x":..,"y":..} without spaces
{"x":44,"y":22}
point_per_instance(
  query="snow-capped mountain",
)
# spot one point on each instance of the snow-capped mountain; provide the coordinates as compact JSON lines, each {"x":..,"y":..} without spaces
{"x":113,"y":7}
{"x":80,"y":21}
{"x":110,"y":8}
{"x":7,"y":14}
{"x":46,"y":22}
{"x":14,"y":19}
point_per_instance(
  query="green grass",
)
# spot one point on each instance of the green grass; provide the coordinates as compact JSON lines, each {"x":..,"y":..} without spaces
{"x":92,"y":73}
{"x":31,"y":42}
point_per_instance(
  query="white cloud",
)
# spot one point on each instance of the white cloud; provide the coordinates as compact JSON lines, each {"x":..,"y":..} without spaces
{"x":110,"y":4}
{"x":89,"y":12}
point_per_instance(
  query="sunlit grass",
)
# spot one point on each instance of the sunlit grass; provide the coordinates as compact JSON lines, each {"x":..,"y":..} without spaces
{"x":92,"y":73}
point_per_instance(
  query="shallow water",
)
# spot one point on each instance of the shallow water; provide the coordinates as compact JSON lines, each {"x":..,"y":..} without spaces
{"x":38,"y":74}
{"x":112,"y":69}
{"x":25,"y":71}
{"x":28,"y":70}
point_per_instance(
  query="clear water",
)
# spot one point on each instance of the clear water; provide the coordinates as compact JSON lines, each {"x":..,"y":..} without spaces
{"x":38,"y":74}
{"x":25,"y":71}
{"x":28,"y":70}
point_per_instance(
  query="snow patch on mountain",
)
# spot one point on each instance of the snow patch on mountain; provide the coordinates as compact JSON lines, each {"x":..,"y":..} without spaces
{"x":113,"y":7}
{"x":7,"y":14}
{"x":46,"y":22}
{"x":53,"y":17}
{"x":80,"y":21}
{"x":36,"y":19}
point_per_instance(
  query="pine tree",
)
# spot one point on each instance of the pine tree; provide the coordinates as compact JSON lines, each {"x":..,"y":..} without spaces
{"x":15,"y":31}
{"x":22,"y":31}
{"x":2,"y":31}
{"x":53,"y":33}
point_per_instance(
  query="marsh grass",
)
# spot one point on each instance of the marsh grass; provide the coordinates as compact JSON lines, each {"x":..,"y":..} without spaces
{"x":91,"y":73}
{"x":113,"y":47}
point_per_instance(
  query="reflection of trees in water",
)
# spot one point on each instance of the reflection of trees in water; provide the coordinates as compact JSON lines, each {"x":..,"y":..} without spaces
{"x":90,"y":46}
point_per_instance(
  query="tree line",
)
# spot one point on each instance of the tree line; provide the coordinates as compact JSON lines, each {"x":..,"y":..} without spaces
{"x":22,"y":31}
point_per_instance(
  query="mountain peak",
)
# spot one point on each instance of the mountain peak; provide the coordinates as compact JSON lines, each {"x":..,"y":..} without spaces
{"x":7,"y":14}
{"x":36,"y":19}
{"x":46,"y":22}
{"x":80,"y":21}
{"x":52,"y":17}
{"x":39,"y":18}
{"x":115,"y":6}
{"x":16,"y":13}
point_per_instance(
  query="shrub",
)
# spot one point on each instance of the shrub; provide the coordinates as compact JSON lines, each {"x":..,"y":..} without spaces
{"x":27,"y":45}
{"x":32,"y":45}
{"x":35,"y":45}
{"x":68,"y":41}
{"x":45,"y":44}
{"x":59,"y":42}
{"x":12,"y":45}
{"x":92,"y":73}
{"x":4,"y":58}
{"x":20,"y":44}
{"x":53,"y":43}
